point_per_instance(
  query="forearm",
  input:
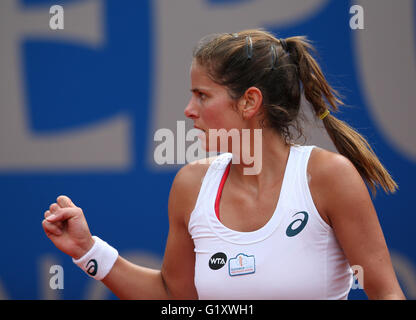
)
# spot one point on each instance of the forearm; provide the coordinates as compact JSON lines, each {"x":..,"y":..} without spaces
{"x":387,"y":296}
{"x":384,"y":291}
{"x":392,"y":297}
{"x":132,"y":282}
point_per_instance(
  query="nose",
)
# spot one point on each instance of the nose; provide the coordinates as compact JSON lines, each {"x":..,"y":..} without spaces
{"x":190,"y":110}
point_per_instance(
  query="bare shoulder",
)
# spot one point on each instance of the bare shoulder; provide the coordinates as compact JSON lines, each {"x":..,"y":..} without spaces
{"x":328,"y":164}
{"x":333,"y":179}
{"x":185,"y":188}
{"x":192,"y":174}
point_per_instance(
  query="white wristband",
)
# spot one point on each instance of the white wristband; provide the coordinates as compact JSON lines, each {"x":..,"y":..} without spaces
{"x":99,"y":260}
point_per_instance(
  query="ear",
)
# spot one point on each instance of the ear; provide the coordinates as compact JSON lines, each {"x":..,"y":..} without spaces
{"x":250,"y":103}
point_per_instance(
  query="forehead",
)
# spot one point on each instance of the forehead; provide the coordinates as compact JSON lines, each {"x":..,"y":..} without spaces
{"x":201,"y":80}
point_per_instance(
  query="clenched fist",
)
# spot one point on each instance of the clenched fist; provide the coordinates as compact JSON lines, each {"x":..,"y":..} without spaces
{"x":66,"y":227}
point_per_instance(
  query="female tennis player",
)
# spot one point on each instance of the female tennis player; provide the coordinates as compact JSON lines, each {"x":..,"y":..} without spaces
{"x":294,"y":230}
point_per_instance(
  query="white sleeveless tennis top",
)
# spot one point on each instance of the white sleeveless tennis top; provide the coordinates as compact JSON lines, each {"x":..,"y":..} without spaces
{"x":295,"y":255}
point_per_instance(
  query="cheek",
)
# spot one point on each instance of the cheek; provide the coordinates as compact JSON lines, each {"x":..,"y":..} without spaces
{"x":221,"y":115}
{"x":212,"y":118}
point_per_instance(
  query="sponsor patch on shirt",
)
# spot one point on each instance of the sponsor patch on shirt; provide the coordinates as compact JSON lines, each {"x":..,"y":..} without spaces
{"x":217,"y":261}
{"x":241,"y":264}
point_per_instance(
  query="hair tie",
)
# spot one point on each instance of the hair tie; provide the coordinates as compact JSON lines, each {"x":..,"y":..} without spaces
{"x":323,"y":115}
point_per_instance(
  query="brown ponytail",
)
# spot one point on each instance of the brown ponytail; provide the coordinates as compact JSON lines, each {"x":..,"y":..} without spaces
{"x":347,"y":141}
{"x":278,"y":67}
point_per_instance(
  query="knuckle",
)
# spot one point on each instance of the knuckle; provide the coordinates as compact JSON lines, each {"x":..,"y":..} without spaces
{"x":61,"y":200}
{"x":45,"y":225}
{"x":50,"y":227}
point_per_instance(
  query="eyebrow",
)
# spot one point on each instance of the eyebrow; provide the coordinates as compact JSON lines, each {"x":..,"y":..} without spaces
{"x":199,"y":90}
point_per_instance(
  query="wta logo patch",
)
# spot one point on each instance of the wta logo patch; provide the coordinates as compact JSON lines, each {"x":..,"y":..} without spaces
{"x":217,"y":261}
{"x":297,"y":225}
{"x":242,"y":264}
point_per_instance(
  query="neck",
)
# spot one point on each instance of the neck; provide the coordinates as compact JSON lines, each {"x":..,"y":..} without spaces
{"x":271,"y":153}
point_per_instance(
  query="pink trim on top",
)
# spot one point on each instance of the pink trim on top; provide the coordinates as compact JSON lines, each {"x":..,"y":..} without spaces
{"x":219,"y":193}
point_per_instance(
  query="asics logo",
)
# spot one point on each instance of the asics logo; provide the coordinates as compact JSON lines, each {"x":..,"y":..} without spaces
{"x":92,"y":267}
{"x":300,"y":224}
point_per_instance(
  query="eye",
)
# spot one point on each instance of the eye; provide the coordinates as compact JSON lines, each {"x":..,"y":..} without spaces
{"x":199,"y":95}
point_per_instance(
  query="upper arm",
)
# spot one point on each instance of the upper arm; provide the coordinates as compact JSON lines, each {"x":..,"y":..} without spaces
{"x":179,"y":259}
{"x":344,"y":199}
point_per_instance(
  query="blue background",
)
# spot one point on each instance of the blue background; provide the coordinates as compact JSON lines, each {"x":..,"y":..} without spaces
{"x":129,"y":209}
